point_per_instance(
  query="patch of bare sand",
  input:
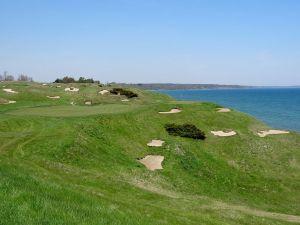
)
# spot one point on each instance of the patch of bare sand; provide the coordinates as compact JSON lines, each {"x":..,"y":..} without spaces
{"x":72,"y":89}
{"x":175,"y":110}
{"x":271,"y":132}
{"x":53,"y":97}
{"x":8,"y":90}
{"x":103,"y":92}
{"x":152,"y":162}
{"x":223,"y":110}
{"x":221,"y":133}
{"x":155,"y":143}
{"x":6,"y":102}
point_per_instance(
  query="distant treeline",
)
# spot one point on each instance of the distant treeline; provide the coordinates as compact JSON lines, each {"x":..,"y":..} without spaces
{"x":67,"y":79}
{"x":170,"y":86}
{"x":8,"y":77}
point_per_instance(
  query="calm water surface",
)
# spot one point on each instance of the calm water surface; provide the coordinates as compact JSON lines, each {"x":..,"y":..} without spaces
{"x":277,"y":107}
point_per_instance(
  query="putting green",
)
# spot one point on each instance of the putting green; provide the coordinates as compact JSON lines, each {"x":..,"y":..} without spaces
{"x":74,"y":111}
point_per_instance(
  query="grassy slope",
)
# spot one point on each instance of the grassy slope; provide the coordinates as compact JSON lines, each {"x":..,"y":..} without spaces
{"x":82,"y":169}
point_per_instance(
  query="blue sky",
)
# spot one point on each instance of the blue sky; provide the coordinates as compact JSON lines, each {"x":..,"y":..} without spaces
{"x":254,"y":42}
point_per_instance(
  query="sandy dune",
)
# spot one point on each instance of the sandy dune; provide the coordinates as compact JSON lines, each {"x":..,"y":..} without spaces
{"x":171,"y":111}
{"x":155,"y":143}
{"x":223,"y":134}
{"x":152,"y":162}
{"x":270,"y":132}
{"x":72,"y":89}
{"x":103,"y":92}
{"x":8,"y":90}
{"x":53,"y":97}
{"x":223,"y":110}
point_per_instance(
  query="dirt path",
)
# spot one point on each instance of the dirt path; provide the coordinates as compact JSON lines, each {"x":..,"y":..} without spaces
{"x":216,"y":205}
{"x":254,"y":212}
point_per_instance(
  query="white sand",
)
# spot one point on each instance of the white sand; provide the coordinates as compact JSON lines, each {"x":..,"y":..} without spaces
{"x":156,"y":143}
{"x":103,"y":92}
{"x":221,"y":133}
{"x":270,"y":132}
{"x":8,"y":90}
{"x":125,"y":100}
{"x":171,"y":111}
{"x":72,"y":89}
{"x":88,"y":103}
{"x":152,"y":162}
{"x":223,"y":110}
{"x":53,"y":97}
{"x":8,"y":102}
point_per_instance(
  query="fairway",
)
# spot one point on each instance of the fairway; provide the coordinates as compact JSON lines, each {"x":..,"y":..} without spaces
{"x":74,"y":111}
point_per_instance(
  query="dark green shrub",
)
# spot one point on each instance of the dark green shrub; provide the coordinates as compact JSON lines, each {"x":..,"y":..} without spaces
{"x":185,"y":130}
{"x":121,"y":91}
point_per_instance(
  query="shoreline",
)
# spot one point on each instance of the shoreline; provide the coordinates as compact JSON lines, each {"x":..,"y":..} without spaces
{"x":279,"y":114}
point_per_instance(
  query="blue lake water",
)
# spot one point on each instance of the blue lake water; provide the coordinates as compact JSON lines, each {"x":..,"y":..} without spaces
{"x":277,"y":107}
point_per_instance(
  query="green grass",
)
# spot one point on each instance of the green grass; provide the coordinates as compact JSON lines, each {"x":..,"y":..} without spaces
{"x":75,"y":111}
{"x":63,"y":164}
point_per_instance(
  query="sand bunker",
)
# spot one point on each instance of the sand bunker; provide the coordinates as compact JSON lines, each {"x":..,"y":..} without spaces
{"x":44,"y":84}
{"x":223,"y":134}
{"x":152,"y":162}
{"x":53,"y":97}
{"x":103,"y":92}
{"x":88,"y":103}
{"x":223,"y":110}
{"x":8,"y":90}
{"x":125,"y":100}
{"x":270,"y":132}
{"x":171,"y":111}
{"x":72,"y":89}
{"x":6,"y":102}
{"x":156,"y":143}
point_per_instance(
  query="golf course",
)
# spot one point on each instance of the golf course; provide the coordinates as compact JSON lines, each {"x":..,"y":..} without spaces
{"x":84,"y":154}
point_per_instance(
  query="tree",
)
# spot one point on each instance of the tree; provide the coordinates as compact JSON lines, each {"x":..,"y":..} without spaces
{"x":23,"y":77}
{"x":9,"y":78}
{"x":67,"y":79}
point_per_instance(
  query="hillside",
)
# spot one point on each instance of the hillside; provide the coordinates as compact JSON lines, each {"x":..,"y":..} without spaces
{"x":63,"y":163}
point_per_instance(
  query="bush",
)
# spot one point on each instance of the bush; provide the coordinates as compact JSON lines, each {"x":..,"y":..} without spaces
{"x":121,"y":91}
{"x":67,"y":80}
{"x":185,"y":130}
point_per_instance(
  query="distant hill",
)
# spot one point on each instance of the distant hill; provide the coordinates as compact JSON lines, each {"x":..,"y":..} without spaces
{"x":170,"y":86}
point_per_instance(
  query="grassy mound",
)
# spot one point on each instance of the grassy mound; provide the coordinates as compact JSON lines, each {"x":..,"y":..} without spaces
{"x":121,"y":91}
{"x":78,"y":164}
{"x":185,"y":130}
